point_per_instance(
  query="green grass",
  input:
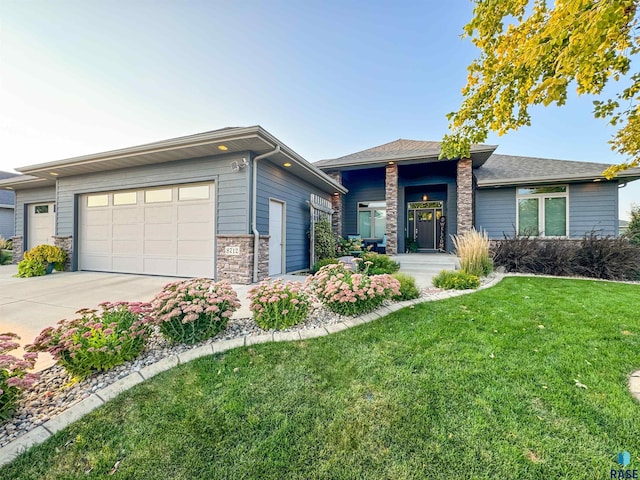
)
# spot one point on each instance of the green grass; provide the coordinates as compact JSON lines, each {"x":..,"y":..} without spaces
{"x":416,"y":394}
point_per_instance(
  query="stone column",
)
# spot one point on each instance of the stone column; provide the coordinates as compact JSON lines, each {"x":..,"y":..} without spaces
{"x":391,"y":196}
{"x":465,"y":195}
{"x":18,"y":251}
{"x":234,"y":261}
{"x":337,"y":202}
{"x":66,"y":244}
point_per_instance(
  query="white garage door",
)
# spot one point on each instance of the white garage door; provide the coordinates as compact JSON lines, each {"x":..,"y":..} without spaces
{"x":158,"y":231}
{"x":41,"y":224}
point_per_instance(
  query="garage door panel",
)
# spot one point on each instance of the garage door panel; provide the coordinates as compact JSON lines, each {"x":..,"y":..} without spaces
{"x":198,"y":231}
{"x":160,"y":266}
{"x":175,"y":238}
{"x":155,"y":214}
{"x":125,"y":216}
{"x":194,"y":248}
{"x":156,"y":231}
{"x":194,"y":213}
{"x":195,"y":268}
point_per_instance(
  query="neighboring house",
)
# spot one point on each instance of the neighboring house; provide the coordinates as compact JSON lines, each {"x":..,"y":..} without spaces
{"x":199,"y":205}
{"x":403,"y":190}
{"x":7,"y":214}
{"x":622,"y":226}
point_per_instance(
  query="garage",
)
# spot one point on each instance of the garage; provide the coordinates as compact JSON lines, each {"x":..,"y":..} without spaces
{"x":165,"y":230}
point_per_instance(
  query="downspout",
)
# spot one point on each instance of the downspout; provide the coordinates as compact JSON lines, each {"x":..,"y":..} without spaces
{"x":254,"y":204}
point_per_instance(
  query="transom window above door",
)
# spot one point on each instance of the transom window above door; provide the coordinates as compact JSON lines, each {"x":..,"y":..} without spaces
{"x":372,"y":219}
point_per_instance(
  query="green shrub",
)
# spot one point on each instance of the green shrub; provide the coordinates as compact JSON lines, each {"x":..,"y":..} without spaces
{"x":345,"y":246}
{"x":373,"y":263}
{"x":408,"y":288}
{"x":633,"y":229}
{"x":448,"y":280}
{"x":97,"y":340}
{"x":13,"y":374}
{"x":35,"y":261}
{"x":277,"y":304}
{"x":324,"y":244}
{"x":31,"y":268}
{"x":5,"y":257}
{"x":473,"y":249}
{"x":189,"y":311}
{"x":321,"y":263}
{"x":348,"y":293}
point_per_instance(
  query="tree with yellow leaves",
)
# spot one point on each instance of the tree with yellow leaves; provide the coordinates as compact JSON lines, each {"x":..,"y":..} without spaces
{"x":531,"y":53}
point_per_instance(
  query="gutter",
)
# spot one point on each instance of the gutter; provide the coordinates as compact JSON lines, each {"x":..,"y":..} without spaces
{"x":254,"y":205}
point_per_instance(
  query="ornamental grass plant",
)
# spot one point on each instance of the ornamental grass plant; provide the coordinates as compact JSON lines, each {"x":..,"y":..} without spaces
{"x":97,"y":340}
{"x":13,"y":374}
{"x":347,"y":293}
{"x":278,"y":304}
{"x":473,"y":249}
{"x":189,"y":311}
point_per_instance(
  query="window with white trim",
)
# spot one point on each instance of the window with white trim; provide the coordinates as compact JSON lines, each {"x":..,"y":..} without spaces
{"x":543,"y":211}
{"x":372,"y":219}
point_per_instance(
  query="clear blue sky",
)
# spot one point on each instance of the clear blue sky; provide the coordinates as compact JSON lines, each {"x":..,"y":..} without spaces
{"x":328,"y":78}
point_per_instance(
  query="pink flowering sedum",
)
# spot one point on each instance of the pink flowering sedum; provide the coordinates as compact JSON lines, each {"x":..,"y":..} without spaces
{"x":97,"y":340}
{"x":348,"y":293}
{"x":277,"y":304}
{"x":13,"y":374}
{"x":189,"y":311}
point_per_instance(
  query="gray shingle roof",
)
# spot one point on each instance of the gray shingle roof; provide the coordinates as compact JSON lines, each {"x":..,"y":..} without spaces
{"x":511,"y":169}
{"x":400,"y":149}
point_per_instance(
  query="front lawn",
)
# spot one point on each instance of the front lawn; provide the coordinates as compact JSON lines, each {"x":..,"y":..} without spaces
{"x":487,"y":385}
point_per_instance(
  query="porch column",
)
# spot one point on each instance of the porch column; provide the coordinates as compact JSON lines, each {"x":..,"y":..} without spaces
{"x":337,"y":201}
{"x":391,"y":196}
{"x":465,"y":195}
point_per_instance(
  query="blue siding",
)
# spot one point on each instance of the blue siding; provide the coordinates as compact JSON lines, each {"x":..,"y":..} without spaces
{"x":496,"y":211}
{"x":25,"y":197}
{"x":278,"y":184}
{"x":593,"y":206}
{"x":7,"y":219}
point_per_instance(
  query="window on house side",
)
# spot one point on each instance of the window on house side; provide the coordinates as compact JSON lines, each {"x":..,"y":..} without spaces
{"x":372,"y":219}
{"x":543,"y":211}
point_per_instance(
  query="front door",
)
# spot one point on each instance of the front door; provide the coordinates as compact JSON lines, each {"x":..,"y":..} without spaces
{"x":425,"y":228}
{"x":424,"y":224}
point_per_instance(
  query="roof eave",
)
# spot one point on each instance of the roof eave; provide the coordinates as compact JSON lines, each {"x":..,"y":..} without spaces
{"x":555,"y":179}
{"x":22,"y":182}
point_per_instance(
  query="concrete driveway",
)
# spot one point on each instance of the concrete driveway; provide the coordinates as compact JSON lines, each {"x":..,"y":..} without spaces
{"x":27,"y":305}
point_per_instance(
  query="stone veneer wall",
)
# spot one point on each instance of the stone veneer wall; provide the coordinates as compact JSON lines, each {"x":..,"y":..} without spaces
{"x":18,"y":251}
{"x":465,"y":195}
{"x":66,"y":244}
{"x":337,"y":203}
{"x":239,"y":268}
{"x":391,"y":196}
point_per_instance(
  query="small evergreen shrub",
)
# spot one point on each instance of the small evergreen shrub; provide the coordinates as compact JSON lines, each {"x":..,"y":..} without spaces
{"x":377,"y":264}
{"x":277,"y":304}
{"x":408,"y":288}
{"x":348,"y":293}
{"x":324,"y":244}
{"x":346,"y":247}
{"x":633,"y":229}
{"x":189,"y":311}
{"x":97,"y":340}
{"x":321,"y":263}
{"x":459,"y":280}
{"x":13,"y":374}
{"x":35,"y":261}
{"x":473,"y":249}
{"x":6,"y":257}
